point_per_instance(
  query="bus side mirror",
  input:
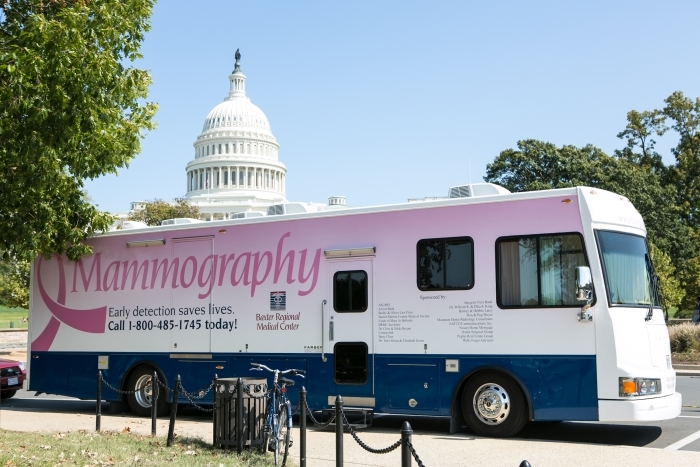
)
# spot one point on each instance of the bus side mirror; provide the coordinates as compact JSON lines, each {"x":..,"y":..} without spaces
{"x":584,"y":283}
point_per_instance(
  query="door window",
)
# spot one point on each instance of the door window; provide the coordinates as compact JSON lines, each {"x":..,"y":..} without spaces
{"x":350,"y":291}
{"x":350,"y":362}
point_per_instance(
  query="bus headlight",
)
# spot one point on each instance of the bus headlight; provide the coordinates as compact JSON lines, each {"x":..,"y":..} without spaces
{"x":639,"y":387}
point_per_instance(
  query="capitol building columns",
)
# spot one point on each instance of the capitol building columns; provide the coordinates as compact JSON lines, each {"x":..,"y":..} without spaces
{"x":236,"y":166}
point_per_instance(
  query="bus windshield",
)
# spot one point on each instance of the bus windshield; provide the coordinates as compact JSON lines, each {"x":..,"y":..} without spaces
{"x":628,"y":269}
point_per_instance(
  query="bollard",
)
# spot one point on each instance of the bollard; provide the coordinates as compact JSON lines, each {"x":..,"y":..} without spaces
{"x":98,"y":402}
{"x":214,"y":409}
{"x":406,"y":433}
{"x":525,"y":464}
{"x":302,"y":427}
{"x":339,"y":431}
{"x":173,"y":411}
{"x":154,"y":403}
{"x":239,"y":416}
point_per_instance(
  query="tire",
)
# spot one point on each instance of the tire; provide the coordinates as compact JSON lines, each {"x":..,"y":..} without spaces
{"x":282,"y":445}
{"x":7,"y":394}
{"x":140,"y":400}
{"x":493,"y":405}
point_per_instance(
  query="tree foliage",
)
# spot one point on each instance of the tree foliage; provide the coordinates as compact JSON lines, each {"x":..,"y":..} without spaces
{"x":71,"y":108}
{"x":154,"y":212}
{"x":14,"y":284}
{"x":667,"y":197}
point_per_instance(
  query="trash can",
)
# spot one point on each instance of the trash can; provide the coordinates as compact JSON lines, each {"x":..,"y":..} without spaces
{"x":12,"y":324}
{"x":239,"y":412}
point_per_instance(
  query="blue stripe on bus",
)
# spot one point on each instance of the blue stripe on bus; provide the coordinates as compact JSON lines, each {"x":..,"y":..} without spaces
{"x":560,"y":387}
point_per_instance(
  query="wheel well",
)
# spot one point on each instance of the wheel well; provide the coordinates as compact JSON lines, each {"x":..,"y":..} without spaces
{"x":456,"y":418}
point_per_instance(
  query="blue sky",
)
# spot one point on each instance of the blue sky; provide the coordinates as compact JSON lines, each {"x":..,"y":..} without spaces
{"x":381,"y":101}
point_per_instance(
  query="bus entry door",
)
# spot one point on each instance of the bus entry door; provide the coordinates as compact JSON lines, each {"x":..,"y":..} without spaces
{"x":349,"y":331}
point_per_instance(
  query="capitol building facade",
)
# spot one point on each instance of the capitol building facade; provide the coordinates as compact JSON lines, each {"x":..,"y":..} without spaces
{"x":236,"y":165}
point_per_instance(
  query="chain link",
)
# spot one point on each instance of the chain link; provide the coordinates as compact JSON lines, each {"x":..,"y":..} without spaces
{"x":414,"y":454}
{"x":385,"y":450}
{"x":200,"y":394}
{"x":118,"y":391}
{"x":195,"y":405}
{"x":164,"y":385}
{"x":316,"y":422}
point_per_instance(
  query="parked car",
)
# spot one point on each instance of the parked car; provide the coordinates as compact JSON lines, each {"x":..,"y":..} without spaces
{"x":12,"y":376}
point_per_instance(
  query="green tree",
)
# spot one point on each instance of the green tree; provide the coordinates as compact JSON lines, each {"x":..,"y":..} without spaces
{"x":684,"y":114}
{"x":71,"y":108}
{"x":538,"y":165}
{"x":670,"y":286}
{"x":154,"y":212}
{"x":14,"y":283}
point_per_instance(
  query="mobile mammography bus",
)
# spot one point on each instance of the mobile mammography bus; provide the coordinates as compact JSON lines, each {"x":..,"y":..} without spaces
{"x":493,"y":310}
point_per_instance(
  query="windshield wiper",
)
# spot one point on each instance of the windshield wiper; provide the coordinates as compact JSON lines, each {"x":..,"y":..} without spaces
{"x":654,"y":288}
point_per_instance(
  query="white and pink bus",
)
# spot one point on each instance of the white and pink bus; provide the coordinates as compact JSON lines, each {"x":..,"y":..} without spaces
{"x":492,"y":309}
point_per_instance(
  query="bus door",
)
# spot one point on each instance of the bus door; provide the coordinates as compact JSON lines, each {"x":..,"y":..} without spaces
{"x":349,"y":331}
{"x":190,"y":331}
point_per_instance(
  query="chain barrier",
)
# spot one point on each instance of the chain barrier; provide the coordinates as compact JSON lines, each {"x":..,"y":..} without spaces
{"x":164,"y":385}
{"x":415,"y":454}
{"x":313,"y":419}
{"x":246,"y":389}
{"x":197,"y":406}
{"x":119,"y":391}
{"x":385,"y":450}
{"x":199,"y":394}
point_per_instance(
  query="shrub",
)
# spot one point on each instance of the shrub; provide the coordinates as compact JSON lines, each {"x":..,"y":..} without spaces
{"x":684,"y":338}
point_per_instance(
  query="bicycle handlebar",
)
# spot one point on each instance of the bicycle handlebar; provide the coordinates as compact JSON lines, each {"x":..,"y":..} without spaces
{"x":261,"y":367}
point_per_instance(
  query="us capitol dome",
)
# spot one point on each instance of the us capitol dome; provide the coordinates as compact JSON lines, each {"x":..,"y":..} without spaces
{"x":236,"y":165}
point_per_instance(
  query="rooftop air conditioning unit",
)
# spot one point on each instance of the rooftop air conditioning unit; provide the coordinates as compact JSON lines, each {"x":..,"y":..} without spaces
{"x":476,"y":189}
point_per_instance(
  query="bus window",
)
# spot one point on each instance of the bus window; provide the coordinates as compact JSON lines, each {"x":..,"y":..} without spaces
{"x":627,"y":269}
{"x":538,"y":271}
{"x":350,"y":362}
{"x":350,"y":291}
{"x":446,"y":263}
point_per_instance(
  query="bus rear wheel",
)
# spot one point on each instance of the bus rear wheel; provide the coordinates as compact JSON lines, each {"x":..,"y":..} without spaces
{"x":493,"y":405}
{"x":141,"y":396}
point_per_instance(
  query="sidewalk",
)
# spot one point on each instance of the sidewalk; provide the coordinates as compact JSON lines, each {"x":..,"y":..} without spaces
{"x":434,"y":449}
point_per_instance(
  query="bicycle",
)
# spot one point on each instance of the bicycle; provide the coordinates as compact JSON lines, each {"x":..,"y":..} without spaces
{"x":278,"y":425}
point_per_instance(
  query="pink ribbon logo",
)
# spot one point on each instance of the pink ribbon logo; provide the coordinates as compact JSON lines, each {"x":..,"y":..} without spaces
{"x":92,"y":320}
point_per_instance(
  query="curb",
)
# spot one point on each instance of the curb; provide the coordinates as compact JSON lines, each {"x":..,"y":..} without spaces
{"x":14,"y":330}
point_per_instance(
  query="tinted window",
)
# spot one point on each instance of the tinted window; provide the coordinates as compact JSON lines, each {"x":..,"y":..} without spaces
{"x":446,"y":263}
{"x":350,"y":291}
{"x":350,"y":362}
{"x":539,"y":271}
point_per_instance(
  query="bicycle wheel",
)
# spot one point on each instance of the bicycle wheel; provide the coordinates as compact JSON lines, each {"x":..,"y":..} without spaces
{"x":282,"y":444}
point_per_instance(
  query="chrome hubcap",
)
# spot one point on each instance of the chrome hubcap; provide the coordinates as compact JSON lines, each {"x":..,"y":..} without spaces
{"x":491,"y":404}
{"x":144,"y":391}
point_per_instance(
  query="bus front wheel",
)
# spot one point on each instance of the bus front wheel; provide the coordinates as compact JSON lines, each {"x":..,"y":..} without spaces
{"x":493,"y":405}
{"x":141,"y":393}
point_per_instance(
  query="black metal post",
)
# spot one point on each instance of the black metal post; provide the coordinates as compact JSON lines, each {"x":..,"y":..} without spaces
{"x":239,"y":416}
{"x":525,"y":464}
{"x":98,"y":402}
{"x":154,"y":402}
{"x":302,"y":427}
{"x":406,"y":433}
{"x":173,"y":411}
{"x":215,"y":411}
{"x":338,"y":431}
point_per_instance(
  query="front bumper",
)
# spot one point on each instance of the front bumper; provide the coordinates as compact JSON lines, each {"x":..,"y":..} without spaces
{"x":657,"y":408}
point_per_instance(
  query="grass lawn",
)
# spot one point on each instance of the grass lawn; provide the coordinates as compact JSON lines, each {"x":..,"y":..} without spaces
{"x":14,"y":315}
{"x":116,"y":449}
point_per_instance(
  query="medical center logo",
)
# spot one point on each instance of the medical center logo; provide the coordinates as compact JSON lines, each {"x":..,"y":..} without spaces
{"x":278,"y":301}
